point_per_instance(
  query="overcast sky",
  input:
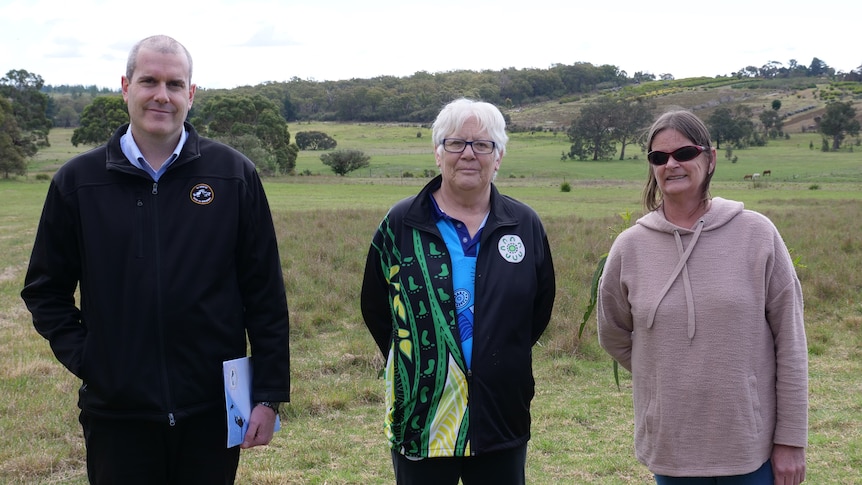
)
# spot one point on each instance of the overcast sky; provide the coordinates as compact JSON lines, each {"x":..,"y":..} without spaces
{"x":247,"y":42}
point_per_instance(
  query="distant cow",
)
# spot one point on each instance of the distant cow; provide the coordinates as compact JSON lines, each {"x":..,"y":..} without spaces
{"x":767,"y":172}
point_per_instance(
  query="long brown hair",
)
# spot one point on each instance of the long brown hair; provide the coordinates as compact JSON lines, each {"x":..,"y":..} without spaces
{"x":690,"y":126}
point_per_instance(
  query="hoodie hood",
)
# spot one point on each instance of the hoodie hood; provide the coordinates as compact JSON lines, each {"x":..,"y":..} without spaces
{"x":720,"y":212}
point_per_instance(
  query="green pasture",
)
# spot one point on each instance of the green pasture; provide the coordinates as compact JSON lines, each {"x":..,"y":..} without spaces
{"x":582,"y":424}
{"x":395,"y":149}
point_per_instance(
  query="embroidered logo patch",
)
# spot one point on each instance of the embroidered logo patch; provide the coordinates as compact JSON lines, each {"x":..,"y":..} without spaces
{"x":201,"y":194}
{"x":511,"y":248}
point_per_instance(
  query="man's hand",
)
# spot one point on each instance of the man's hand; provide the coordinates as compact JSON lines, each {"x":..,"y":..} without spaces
{"x":788,"y":464}
{"x":260,"y":427}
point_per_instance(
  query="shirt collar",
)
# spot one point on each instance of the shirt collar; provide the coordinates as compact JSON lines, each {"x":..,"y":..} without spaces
{"x":133,"y":153}
{"x":438,"y":212}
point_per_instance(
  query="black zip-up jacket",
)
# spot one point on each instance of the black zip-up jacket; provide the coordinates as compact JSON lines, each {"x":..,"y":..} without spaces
{"x":174,"y":275}
{"x":408,"y":304}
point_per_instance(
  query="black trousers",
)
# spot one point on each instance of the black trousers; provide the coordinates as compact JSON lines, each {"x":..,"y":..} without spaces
{"x":498,"y":468}
{"x":132,"y":452}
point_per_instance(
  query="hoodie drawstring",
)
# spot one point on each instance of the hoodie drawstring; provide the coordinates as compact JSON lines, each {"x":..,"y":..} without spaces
{"x":680,"y":267}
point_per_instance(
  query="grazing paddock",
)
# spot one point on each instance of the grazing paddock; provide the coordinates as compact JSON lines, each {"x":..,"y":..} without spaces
{"x":582,"y":424}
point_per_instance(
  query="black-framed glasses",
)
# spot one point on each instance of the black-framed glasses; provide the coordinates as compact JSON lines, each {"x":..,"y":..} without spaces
{"x":457,"y":145}
{"x":682,"y":154}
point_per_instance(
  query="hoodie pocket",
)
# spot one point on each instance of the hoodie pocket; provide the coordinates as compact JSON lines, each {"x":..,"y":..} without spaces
{"x":754,"y":399}
{"x":645,"y":407}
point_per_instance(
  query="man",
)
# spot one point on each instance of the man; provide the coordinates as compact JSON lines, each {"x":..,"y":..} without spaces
{"x":169,"y":238}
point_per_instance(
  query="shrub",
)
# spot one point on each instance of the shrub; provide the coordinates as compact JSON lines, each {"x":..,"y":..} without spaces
{"x":345,"y":161}
{"x":315,"y":140}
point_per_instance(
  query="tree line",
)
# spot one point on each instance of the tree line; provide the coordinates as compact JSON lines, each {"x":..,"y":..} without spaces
{"x":418,"y":97}
{"x":608,"y":122}
{"x":254,"y":118}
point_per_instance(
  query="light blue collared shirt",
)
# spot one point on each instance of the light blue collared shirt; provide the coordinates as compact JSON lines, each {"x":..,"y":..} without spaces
{"x":133,"y":153}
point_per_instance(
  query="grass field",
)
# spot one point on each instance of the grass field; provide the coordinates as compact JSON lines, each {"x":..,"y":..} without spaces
{"x":582,"y":424}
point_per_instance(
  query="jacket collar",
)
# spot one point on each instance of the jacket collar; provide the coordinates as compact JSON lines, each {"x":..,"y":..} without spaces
{"x":420,"y":214}
{"x":116,"y":160}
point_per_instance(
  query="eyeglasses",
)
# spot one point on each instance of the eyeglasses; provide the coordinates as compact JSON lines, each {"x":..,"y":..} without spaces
{"x":682,"y":154}
{"x":457,"y":145}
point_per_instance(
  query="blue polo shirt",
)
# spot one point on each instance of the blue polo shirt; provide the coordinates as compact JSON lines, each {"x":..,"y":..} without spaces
{"x":463,"y":250}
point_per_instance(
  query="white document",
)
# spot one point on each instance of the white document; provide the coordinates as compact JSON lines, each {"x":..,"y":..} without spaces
{"x":237,"y":399}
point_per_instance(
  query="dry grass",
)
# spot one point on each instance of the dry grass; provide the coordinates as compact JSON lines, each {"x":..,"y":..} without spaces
{"x":582,"y":428}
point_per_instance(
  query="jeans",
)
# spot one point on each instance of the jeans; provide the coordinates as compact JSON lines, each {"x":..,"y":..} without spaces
{"x":761,"y":476}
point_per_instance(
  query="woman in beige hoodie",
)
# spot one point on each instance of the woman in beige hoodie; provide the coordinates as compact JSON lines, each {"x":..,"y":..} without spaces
{"x":701,"y":302}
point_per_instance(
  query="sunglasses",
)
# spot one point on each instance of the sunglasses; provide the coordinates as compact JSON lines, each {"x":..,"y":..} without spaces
{"x":683,"y":154}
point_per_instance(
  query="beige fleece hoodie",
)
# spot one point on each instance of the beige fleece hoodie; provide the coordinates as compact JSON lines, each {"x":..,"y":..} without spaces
{"x":710,"y":323}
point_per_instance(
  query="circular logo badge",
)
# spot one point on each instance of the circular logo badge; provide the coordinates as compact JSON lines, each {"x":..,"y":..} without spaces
{"x":201,"y":194}
{"x":462,"y":298}
{"x":511,"y":248}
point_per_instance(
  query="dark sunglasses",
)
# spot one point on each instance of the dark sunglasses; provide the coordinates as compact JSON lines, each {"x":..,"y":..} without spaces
{"x":683,"y":154}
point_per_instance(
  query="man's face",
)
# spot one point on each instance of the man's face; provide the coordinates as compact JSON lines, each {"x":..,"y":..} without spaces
{"x":159,"y":95}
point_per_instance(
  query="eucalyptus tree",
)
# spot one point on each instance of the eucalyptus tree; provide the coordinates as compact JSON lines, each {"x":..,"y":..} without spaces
{"x":29,"y":107}
{"x":100,"y":119}
{"x":631,"y":119}
{"x":591,"y":133}
{"x":13,"y":155}
{"x":838,"y":122}
{"x":606,"y":121}
{"x":251,"y":123}
{"x":731,"y":125}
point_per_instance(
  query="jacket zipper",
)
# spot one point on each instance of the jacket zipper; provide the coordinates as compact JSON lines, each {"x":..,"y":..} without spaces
{"x":159,"y":307}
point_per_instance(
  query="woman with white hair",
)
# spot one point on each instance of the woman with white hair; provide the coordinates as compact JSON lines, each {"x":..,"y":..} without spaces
{"x":458,"y":286}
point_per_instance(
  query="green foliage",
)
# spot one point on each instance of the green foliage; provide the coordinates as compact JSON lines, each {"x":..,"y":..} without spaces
{"x":234,"y":118}
{"x":29,"y":104}
{"x":343,"y":162}
{"x":13,"y":149}
{"x":100,"y":120}
{"x":29,"y":107}
{"x":733,"y":126}
{"x":315,"y":140}
{"x":565,"y":187}
{"x":630,"y":121}
{"x":838,"y":122}
{"x":772,"y":122}
{"x":418,"y":98}
{"x":605,"y":123}
{"x":591,"y":133}
{"x":625,"y":222}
